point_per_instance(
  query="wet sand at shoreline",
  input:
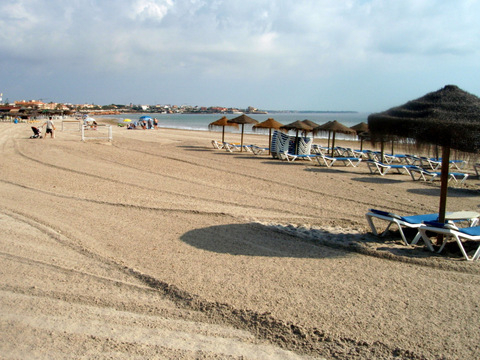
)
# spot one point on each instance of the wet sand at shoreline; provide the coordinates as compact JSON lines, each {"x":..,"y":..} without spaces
{"x":158,"y":246}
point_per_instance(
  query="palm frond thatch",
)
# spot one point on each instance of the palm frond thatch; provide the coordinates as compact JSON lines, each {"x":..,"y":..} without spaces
{"x":447,"y":117}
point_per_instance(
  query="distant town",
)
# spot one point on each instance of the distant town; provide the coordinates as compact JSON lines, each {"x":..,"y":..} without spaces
{"x":33,"y":108}
{"x":26,"y":109}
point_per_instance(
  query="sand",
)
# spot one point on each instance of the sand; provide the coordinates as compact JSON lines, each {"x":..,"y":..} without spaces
{"x":158,"y":246}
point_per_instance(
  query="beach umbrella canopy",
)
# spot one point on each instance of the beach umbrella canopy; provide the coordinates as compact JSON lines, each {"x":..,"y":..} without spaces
{"x":127,"y":120}
{"x":222,"y":122}
{"x":449,"y":117}
{"x":322,"y":128}
{"x":310,"y":123}
{"x":242,"y":120}
{"x":269,"y":124}
{"x":146,"y":118}
{"x":360,"y":129}
{"x":297,"y":126}
{"x":334,"y":127}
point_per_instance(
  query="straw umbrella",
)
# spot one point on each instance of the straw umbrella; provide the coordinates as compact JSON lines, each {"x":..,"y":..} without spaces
{"x":360,"y":129}
{"x":310,"y":123}
{"x":449,"y":117}
{"x":334,"y":127}
{"x":268,"y":124}
{"x":297,"y":126}
{"x":242,"y":119}
{"x":222,"y":122}
{"x":322,"y":128}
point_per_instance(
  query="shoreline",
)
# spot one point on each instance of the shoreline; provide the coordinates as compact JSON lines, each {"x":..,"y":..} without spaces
{"x":278,"y":250}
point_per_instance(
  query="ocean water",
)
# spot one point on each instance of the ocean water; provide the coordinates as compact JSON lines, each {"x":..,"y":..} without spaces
{"x":199,"y":122}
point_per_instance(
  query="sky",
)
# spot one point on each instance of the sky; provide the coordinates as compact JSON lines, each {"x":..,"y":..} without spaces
{"x":356,"y":55}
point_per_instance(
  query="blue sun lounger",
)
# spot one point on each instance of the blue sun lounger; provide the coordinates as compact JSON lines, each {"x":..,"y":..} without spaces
{"x":422,"y":174}
{"x":451,"y":231}
{"x":383,"y":169}
{"x":412,"y":222}
{"x":329,"y":161}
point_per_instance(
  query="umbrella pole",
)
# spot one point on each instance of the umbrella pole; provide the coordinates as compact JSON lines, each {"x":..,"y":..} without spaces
{"x":443,"y":189}
{"x":269,"y":141}
{"x":296,"y":143}
{"x":223,"y":134}
{"x":333,"y":144}
{"x":444,"y":183}
{"x":241,"y":141}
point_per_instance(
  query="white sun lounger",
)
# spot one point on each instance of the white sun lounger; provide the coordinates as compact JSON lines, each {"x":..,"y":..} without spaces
{"x":421,"y":174}
{"x":329,"y":160}
{"x":452,"y":232}
{"x":217,"y":145}
{"x":412,"y":222}
{"x":382,"y":169}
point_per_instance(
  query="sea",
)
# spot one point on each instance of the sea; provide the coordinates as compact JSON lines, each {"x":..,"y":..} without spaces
{"x":200,"y":122}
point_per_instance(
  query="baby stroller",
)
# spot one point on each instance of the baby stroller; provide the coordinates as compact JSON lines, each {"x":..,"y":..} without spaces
{"x":36,"y":133}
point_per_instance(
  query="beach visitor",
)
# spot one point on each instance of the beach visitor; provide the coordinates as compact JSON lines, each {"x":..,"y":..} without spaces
{"x":155,"y":124}
{"x":50,"y":128}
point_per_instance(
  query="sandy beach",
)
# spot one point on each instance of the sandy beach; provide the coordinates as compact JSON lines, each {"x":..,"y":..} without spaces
{"x":157,"y":245}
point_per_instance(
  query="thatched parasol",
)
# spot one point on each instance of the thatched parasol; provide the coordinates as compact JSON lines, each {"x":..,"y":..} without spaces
{"x":321,"y":128}
{"x":360,"y":129}
{"x":449,"y":117}
{"x":242,"y":119}
{"x":334,"y":127}
{"x":268,"y":124}
{"x":310,"y":123}
{"x":222,"y":122}
{"x":297,"y":126}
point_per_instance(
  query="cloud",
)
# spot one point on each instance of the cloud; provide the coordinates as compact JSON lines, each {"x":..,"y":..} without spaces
{"x":266,"y":41}
{"x":150,"y":9}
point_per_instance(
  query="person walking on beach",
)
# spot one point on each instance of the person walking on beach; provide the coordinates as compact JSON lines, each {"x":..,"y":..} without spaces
{"x":50,"y":128}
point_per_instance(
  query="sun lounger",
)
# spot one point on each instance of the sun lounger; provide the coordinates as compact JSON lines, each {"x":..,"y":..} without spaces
{"x":412,"y":222}
{"x":476,"y":167}
{"x":329,"y":160}
{"x":231,"y":147}
{"x":217,"y":145}
{"x":317,"y":149}
{"x":382,"y":169}
{"x":400,"y":158}
{"x":418,"y":173}
{"x":258,"y":150}
{"x":436,"y":164}
{"x":450,"y":231}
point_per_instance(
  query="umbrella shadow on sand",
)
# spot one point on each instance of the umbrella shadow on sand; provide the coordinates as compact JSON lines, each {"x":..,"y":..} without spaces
{"x":451,"y":192}
{"x":377,"y":180}
{"x":331,"y":170}
{"x":280,"y":241}
{"x":254,"y":239}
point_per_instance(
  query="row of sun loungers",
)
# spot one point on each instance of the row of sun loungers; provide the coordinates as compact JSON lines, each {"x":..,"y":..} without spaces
{"x":428,"y":225}
{"x":290,"y":149}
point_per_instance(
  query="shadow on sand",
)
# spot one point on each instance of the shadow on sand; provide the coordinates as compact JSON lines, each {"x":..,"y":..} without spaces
{"x":451,"y":192}
{"x":377,"y":180}
{"x":254,"y":239}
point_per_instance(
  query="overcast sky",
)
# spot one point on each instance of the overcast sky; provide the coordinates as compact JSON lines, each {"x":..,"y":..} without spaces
{"x":364,"y":55}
